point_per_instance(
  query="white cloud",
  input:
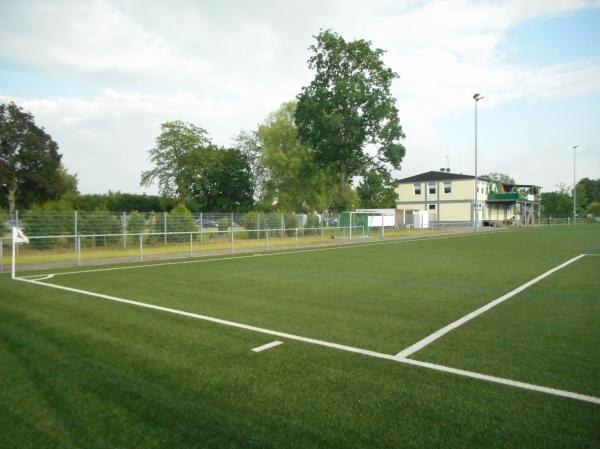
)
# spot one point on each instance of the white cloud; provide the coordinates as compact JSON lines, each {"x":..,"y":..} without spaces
{"x":225,"y":65}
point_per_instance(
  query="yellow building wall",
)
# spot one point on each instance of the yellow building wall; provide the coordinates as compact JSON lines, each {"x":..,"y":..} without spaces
{"x":461,"y":190}
{"x":411,"y":206}
{"x":454,"y":212}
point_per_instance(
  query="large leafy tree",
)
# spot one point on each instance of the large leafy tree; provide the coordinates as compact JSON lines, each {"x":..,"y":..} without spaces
{"x":557,"y":204}
{"x":347,"y":107}
{"x":293,"y":179}
{"x":173,"y":155}
{"x":30,"y":169}
{"x":377,"y":190}
{"x":588,"y":191}
{"x":188,"y":165}
{"x":501,"y":177}
{"x":220,"y":179}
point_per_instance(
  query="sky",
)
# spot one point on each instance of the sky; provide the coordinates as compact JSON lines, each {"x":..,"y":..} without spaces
{"x":101,"y":76}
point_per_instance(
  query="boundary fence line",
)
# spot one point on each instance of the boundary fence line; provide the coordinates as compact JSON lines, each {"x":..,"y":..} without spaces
{"x":71,"y":248}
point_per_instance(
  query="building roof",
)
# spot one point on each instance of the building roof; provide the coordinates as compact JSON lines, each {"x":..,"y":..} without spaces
{"x":438,"y":176}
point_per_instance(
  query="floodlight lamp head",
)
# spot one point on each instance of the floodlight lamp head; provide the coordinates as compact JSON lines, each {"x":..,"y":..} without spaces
{"x":575,"y":147}
{"x":477,"y":97}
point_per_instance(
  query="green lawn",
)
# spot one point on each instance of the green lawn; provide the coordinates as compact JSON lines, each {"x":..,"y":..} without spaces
{"x":83,"y":372}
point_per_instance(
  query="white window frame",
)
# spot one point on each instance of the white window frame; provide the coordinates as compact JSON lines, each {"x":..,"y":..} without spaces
{"x":419,"y":186}
{"x":448,"y":185}
{"x":431,"y":207}
{"x":430,"y":186}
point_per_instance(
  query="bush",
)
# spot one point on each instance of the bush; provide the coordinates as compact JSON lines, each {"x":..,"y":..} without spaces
{"x":180,"y":219}
{"x":291,"y":223}
{"x":136,"y":223}
{"x":223,"y":224}
{"x":51,"y":218}
{"x":312,"y":222}
{"x":99,"y":222}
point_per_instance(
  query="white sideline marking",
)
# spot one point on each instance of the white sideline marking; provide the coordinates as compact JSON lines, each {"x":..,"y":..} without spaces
{"x":444,"y":330}
{"x":275,"y":253}
{"x":267,"y":346}
{"x":446,"y":369}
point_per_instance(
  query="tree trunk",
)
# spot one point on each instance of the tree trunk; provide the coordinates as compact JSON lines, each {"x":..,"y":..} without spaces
{"x":342,"y":184}
{"x":11,"y":196}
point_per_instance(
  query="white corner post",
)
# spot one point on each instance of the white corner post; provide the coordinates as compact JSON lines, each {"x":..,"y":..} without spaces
{"x":574,"y":186}
{"x":476,"y":97}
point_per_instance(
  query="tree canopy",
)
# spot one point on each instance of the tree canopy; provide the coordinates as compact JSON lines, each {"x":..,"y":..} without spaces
{"x":377,"y":190}
{"x":30,"y":164}
{"x":501,"y":177}
{"x":187,"y":164}
{"x":347,"y":107}
{"x":294,"y":182}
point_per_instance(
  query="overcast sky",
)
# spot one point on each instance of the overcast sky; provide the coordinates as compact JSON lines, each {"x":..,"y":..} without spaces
{"x":101,"y":76}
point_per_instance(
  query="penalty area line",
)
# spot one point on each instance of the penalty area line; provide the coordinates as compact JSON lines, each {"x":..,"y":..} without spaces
{"x":450,"y":327}
{"x":379,"y":355}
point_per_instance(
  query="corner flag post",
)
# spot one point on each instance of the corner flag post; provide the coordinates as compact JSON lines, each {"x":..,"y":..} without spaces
{"x":17,"y":237}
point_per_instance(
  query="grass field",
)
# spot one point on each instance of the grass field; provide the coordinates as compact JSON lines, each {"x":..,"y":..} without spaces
{"x":83,"y":371}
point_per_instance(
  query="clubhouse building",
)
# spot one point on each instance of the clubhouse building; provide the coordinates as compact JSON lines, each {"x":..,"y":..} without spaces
{"x":448,"y":198}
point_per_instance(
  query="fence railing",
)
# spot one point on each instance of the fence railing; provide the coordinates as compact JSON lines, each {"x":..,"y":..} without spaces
{"x":46,"y":222}
{"x":62,"y":250}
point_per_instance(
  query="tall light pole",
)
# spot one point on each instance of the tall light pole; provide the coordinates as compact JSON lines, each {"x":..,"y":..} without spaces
{"x":574,"y":187}
{"x":476,"y":97}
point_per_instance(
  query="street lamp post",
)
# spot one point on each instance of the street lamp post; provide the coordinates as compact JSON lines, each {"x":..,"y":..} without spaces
{"x":476,"y":97}
{"x":574,"y":187}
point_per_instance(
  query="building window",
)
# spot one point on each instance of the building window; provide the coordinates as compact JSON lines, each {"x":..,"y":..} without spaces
{"x":431,"y":207}
{"x":417,"y":188}
{"x":432,"y":188}
{"x":447,"y":187}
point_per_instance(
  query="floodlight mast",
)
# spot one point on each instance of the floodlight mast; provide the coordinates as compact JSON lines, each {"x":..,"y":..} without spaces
{"x":574,"y":187}
{"x":476,"y":97}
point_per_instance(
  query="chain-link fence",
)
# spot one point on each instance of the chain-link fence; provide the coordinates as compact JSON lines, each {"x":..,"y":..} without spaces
{"x":59,"y":238}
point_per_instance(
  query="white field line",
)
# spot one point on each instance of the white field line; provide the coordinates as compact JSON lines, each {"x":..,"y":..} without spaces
{"x":265,"y":254}
{"x":267,"y":346}
{"x":450,"y":327}
{"x":445,"y":369}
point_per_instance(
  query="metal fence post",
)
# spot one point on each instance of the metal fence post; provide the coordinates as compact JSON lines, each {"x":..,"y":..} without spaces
{"x":267,"y":233}
{"x":201,"y":228}
{"x":141,"y":248}
{"x":124,"y":219}
{"x":17,"y":226}
{"x":232,"y":239}
{"x":296,"y":237}
{"x":1,"y":255}
{"x":351,"y":225}
{"x":382,"y":228}
{"x":191,"y":246}
{"x":78,"y":250}
{"x":165,"y":226}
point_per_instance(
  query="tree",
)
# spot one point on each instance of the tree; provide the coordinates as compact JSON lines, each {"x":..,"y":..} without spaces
{"x":172,"y":156}
{"x":377,"y":190}
{"x":248,"y":143}
{"x":556,"y":204}
{"x":220,"y":180}
{"x":593,"y":209}
{"x":348,"y":106}
{"x":501,"y":177}
{"x":588,"y":191}
{"x":187,"y":164}
{"x":30,"y":170}
{"x":292,"y":178}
